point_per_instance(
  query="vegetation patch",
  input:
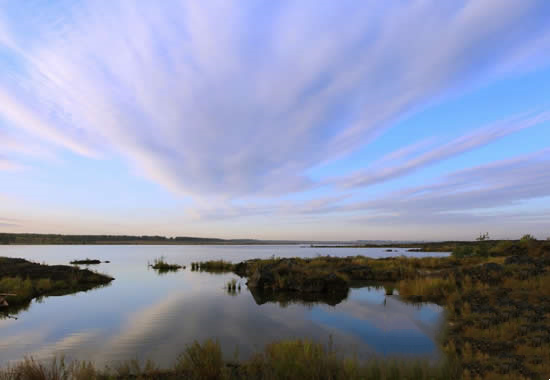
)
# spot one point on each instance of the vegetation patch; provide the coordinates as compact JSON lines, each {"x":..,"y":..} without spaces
{"x":214,"y":266}
{"x":28,"y":280}
{"x":162,"y":266}
{"x":86,"y":261}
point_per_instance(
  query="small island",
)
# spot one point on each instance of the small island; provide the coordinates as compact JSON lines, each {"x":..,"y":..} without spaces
{"x":162,"y":266}
{"x":25,"y":280}
{"x":86,"y":262}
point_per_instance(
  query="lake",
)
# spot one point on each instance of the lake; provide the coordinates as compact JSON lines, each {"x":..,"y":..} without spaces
{"x":144,"y":315}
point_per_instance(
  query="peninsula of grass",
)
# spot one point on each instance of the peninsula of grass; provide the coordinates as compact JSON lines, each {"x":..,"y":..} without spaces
{"x":287,"y":359}
{"x":86,"y":262}
{"x":160,"y":264}
{"x":28,"y":280}
{"x":496,"y":295}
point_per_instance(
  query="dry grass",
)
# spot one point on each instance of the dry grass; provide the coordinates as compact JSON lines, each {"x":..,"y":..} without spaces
{"x":288,"y":360}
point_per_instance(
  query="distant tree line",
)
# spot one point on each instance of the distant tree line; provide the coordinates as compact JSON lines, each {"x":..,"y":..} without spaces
{"x":10,"y":238}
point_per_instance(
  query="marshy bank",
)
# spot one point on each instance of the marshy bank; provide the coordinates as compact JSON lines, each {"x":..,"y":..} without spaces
{"x":496,"y":294}
{"x":28,"y":280}
{"x":287,"y":359}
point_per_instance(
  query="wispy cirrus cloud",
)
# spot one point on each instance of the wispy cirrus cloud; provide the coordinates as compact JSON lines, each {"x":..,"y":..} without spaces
{"x":237,"y":99}
{"x":386,"y":170}
{"x":476,"y":193}
{"x":466,"y":194}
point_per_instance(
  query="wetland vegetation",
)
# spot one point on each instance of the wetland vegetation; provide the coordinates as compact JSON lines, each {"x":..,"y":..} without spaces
{"x":287,"y":359}
{"x":86,"y":261}
{"x":213,"y":266}
{"x":162,"y":266}
{"x":496,"y":294}
{"x":28,"y":280}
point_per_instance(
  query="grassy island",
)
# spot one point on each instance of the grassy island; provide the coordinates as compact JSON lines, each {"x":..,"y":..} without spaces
{"x":162,"y":266}
{"x":28,"y":280}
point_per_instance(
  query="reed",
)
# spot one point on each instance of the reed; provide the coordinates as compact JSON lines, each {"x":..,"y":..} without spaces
{"x":162,"y":265}
{"x":287,"y":359}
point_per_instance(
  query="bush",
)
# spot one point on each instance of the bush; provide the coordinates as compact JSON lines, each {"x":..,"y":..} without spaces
{"x":527,"y":238}
{"x":201,"y":362}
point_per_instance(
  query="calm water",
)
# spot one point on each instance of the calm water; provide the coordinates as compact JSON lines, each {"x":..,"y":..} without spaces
{"x":143,"y":315}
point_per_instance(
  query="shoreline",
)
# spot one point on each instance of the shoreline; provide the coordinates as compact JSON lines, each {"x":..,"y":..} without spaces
{"x":496,"y":297}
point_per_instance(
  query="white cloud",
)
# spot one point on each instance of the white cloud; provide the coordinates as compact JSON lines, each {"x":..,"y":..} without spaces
{"x":235,"y":99}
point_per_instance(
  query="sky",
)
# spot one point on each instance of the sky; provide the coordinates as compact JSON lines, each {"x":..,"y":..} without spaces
{"x":321,"y":119}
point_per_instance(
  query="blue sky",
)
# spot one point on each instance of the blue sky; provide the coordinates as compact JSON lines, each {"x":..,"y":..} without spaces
{"x":278,"y":120}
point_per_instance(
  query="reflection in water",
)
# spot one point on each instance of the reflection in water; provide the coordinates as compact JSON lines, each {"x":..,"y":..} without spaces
{"x":146,"y":316}
{"x":284,"y":299}
{"x":11,"y":311}
{"x":163,"y":271}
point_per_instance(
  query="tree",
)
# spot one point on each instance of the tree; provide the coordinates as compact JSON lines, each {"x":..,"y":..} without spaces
{"x":483,"y":237}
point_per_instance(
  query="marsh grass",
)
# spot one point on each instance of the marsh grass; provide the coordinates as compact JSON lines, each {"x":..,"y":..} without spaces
{"x":56,"y":369}
{"x":287,"y":359}
{"x":162,"y":266}
{"x":434,"y":288}
{"x":214,"y":266}
{"x":496,"y":296}
{"x":498,"y":323}
{"x":231,"y":285}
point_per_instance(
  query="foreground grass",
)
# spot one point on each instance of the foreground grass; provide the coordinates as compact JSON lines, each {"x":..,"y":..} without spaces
{"x":31,"y":280}
{"x":289,"y":360}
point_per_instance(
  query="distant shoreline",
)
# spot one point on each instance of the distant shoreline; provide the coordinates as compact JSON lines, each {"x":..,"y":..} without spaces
{"x":60,"y":239}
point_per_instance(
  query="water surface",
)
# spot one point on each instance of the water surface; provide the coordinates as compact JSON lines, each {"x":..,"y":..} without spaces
{"x":143,"y":315}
